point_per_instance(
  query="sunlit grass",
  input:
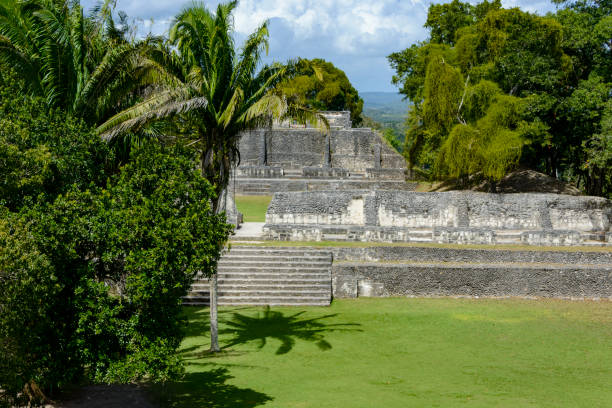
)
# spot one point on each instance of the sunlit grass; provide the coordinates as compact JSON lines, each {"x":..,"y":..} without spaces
{"x":253,"y":208}
{"x":402,"y":353}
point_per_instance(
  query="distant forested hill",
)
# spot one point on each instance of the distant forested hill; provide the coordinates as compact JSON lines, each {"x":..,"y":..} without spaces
{"x":387,"y":108}
{"x":384,"y":106}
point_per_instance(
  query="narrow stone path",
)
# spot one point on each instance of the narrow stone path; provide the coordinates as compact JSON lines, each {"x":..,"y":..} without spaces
{"x":249,"y":230}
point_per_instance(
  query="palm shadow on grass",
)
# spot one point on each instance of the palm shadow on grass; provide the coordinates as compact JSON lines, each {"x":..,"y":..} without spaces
{"x":208,"y":389}
{"x":271,"y":324}
{"x":198,"y":319}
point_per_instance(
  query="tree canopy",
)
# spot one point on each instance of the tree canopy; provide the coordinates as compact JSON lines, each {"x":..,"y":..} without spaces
{"x":494,"y":88}
{"x":84,"y":64}
{"x":321,"y":85}
{"x":94,"y":261}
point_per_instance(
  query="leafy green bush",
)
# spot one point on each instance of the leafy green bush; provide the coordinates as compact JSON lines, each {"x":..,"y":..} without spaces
{"x":91,"y":283}
{"x":43,"y":153}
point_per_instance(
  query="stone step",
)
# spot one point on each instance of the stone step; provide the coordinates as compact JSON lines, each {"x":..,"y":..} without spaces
{"x":263,"y":193}
{"x":262,"y":286}
{"x":224,"y":293}
{"x":197,"y":302}
{"x":266,"y":258}
{"x":420,"y":233}
{"x":258,"y":191}
{"x":269,"y":276}
{"x":274,"y":276}
{"x":227,"y":263}
{"x":276,"y":251}
{"x":255,"y":186}
{"x":272,"y":268}
{"x":505,"y":240}
{"x":262,"y":300}
{"x":260,"y":281}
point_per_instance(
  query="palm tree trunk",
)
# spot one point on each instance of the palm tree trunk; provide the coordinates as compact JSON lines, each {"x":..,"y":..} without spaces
{"x":206,"y":159}
{"x":214,"y":296}
{"x":214,"y":322}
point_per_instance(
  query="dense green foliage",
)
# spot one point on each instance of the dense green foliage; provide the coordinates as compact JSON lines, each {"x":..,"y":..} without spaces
{"x":44,"y":153}
{"x":321,"y":85}
{"x":497,"y":88}
{"x":93,"y":264}
{"x":401,"y":352}
{"x":84,"y":65}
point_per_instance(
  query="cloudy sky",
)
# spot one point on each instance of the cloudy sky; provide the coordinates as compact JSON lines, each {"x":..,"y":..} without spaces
{"x":356,"y":35}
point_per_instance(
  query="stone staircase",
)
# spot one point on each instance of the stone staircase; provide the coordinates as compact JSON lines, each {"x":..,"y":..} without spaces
{"x":256,"y":188}
{"x":275,"y":276}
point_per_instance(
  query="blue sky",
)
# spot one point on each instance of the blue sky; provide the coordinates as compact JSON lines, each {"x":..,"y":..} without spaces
{"x":356,"y":35}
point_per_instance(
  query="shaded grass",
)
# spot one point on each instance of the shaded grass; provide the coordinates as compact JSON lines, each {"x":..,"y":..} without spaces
{"x":253,"y":208}
{"x":403,"y":352}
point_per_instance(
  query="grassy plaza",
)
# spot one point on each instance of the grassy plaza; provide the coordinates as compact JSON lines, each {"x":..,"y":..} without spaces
{"x":253,"y":208}
{"x":399,"y":352}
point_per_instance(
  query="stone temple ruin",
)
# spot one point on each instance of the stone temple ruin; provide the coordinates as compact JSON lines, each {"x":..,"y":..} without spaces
{"x":349,"y":185}
{"x":289,"y":157}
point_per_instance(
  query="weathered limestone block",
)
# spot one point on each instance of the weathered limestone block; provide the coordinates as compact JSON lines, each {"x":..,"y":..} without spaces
{"x":228,"y":204}
{"x":335,"y":209}
{"x":377,"y":156}
{"x":344,"y":286}
{"x":386,"y":174}
{"x":292,"y":233}
{"x":341,"y":119}
{"x":259,"y":171}
{"x":552,"y":238}
{"x":436,"y":279}
{"x":368,"y":288}
{"x":294,"y":148}
{"x":463,"y":235}
{"x":429,"y":254}
{"x":325,"y":172}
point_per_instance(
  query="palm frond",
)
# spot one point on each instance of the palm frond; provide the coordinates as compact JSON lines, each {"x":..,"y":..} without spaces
{"x":161,"y":106}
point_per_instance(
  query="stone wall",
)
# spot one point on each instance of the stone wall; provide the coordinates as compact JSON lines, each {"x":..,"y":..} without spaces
{"x":341,"y":119}
{"x":315,"y":182}
{"x":497,"y":280}
{"x":425,"y":270}
{"x":295,"y":148}
{"x":449,"y":217}
{"x":259,"y":172}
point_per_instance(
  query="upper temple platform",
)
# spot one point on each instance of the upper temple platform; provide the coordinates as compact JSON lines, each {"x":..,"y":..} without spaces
{"x":293,"y":157}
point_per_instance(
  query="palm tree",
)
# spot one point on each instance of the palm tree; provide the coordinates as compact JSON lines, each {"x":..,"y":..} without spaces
{"x":83,"y":65}
{"x":211,"y":95}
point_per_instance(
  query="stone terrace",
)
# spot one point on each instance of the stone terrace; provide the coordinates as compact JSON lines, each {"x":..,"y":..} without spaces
{"x":450,"y":217}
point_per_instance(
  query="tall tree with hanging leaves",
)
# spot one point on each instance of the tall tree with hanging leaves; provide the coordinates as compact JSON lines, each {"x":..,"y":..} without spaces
{"x":494,"y":88}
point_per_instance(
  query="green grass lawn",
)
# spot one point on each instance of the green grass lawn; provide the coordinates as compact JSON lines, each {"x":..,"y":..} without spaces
{"x":402,"y":353}
{"x":359,"y":244}
{"x":253,"y":208}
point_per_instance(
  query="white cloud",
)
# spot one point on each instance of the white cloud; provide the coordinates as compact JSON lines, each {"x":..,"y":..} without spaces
{"x":356,"y":35}
{"x":345,"y":26}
